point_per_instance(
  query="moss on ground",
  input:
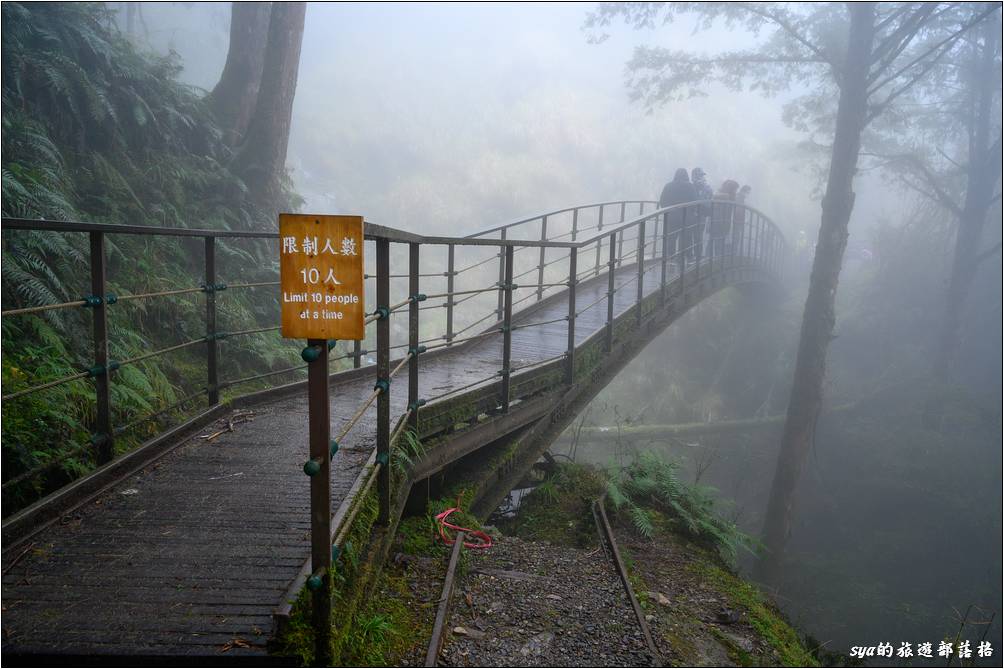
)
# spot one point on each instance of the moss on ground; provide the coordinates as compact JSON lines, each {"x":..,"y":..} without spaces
{"x":762,"y":615}
{"x":560,"y":509}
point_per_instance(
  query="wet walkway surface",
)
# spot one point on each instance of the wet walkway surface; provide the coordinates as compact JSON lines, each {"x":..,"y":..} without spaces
{"x":191,"y":556}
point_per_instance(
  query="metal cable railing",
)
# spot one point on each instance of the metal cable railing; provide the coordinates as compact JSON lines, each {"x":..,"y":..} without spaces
{"x":758,"y":242}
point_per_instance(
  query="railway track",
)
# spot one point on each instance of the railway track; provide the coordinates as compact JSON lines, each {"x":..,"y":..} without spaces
{"x":608,"y":543}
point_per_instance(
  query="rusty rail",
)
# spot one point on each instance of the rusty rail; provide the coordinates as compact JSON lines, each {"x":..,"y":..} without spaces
{"x":443,"y":612}
{"x":607,"y":537}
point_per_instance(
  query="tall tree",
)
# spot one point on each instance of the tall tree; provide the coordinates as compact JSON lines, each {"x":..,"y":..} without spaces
{"x":235,"y":95}
{"x":951,"y":155}
{"x":871,"y":54}
{"x":261,"y":156}
{"x":981,"y":77}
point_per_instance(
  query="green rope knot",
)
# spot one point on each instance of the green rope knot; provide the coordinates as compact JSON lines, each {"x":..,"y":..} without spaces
{"x":101,"y":370}
{"x":315,"y":581}
{"x":420,"y":297}
{"x":382,"y":458}
{"x":505,"y":371}
{"x":334,"y":447}
{"x":414,"y":405}
{"x":111,"y":298}
{"x":383,"y":385}
{"x":219,"y":286}
{"x":416,"y":350}
{"x":98,"y":438}
{"x":312,"y":467}
{"x":310,"y":353}
{"x":93,"y":301}
{"x":335,"y":552}
{"x":381,"y":313}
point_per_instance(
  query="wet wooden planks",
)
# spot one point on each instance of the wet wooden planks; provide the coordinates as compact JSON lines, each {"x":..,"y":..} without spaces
{"x":191,"y":556}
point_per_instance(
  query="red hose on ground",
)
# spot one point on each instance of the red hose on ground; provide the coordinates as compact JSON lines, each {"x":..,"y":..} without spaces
{"x":485,"y":541}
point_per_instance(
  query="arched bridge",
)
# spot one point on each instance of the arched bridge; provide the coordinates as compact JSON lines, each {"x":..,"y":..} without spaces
{"x":197,"y":542}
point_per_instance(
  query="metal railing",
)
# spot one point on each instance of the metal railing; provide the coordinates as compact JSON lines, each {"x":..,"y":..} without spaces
{"x":574,"y":245}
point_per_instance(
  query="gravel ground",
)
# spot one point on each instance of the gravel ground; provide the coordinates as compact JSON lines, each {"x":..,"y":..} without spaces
{"x":529,"y":604}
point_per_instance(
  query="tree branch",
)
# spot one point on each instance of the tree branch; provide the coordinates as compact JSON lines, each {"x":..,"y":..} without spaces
{"x":882,"y":106}
{"x":947,"y":41}
{"x":787,"y":27}
{"x":938,"y":194}
{"x":893,"y":45}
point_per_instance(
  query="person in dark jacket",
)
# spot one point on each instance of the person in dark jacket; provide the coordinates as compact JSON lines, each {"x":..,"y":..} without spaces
{"x":704,"y":192}
{"x":677,"y":191}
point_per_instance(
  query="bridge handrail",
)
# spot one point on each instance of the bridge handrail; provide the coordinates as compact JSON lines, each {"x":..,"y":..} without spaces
{"x":764,"y":244}
{"x":376,"y":231}
{"x":556,"y":212}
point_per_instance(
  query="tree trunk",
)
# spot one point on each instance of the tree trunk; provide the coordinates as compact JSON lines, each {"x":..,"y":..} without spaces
{"x":982,"y":173}
{"x":261,"y":158}
{"x":236,"y":94}
{"x":818,"y":319}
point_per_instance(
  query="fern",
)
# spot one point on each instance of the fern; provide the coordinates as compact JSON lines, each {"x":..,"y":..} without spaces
{"x":650,"y":487}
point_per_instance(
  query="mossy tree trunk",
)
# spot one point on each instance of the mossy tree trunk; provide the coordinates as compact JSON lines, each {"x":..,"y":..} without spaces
{"x":261,"y":158}
{"x":236,"y":94}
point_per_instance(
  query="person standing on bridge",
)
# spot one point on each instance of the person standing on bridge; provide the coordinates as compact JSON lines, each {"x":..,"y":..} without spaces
{"x":695,"y":238}
{"x":677,"y":191}
{"x":722,"y":213}
{"x":739,"y":217}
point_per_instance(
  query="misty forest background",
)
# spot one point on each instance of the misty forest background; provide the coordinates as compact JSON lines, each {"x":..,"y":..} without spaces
{"x":114,"y":112}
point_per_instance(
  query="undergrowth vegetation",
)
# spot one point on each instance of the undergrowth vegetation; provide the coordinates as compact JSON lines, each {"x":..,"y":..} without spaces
{"x":651,"y":493}
{"x":96,"y":130}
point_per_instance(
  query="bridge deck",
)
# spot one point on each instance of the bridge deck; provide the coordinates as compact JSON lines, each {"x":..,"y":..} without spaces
{"x":195,"y":552}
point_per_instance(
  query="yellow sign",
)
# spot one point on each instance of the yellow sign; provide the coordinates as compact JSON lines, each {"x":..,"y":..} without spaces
{"x":321,"y":276}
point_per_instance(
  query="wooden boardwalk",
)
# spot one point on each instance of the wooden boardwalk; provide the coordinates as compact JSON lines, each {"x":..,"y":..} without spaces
{"x":191,"y":556}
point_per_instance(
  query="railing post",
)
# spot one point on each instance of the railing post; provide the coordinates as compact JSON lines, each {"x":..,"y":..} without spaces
{"x":608,"y":343}
{"x":655,"y":235}
{"x":103,"y":436}
{"x":498,"y":311}
{"x":681,"y":251}
{"x":573,"y":255}
{"x":698,"y":252}
{"x":540,"y":266}
{"x":383,"y":374}
{"x":212,"y":348}
{"x":623,"y":205}
{"x":357,"y":354}
{"x":758,"y":249}
{"x":413,"y":288}
{"x":620,"y":246}
{"x":665,"y":254}
{"x":450,"y":260}
{"x":575,"y":223}
{"x":507,"y":329}
{"x":641,"y":267}
{"x":319,"y":407}
{"x":641,"y":208}
{"x":599,"y":242}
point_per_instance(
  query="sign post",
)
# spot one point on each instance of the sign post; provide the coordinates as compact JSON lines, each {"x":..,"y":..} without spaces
{"x":321,"y":286}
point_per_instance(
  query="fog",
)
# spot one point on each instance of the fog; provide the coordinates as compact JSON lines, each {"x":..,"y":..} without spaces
{"x":452,"y":118}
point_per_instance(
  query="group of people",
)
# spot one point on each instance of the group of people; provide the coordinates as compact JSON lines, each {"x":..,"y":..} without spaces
{"x":720,"y":219}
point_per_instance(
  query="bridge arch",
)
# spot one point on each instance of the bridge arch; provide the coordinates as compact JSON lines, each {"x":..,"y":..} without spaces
{"x":470,"y":365}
